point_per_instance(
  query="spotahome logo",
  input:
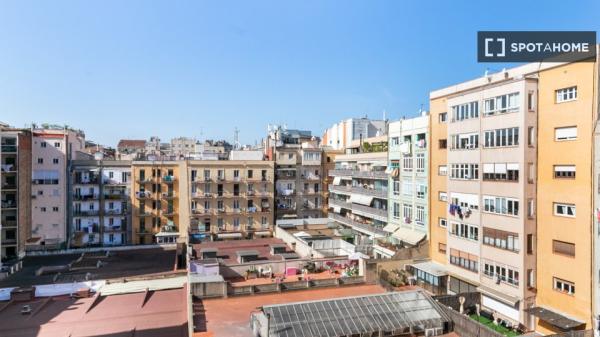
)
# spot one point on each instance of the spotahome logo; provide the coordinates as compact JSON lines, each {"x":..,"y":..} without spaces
{"x":535,"y":46}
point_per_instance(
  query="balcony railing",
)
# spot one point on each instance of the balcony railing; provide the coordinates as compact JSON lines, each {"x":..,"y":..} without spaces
{"x":359,"y":174}
{"x":143,"y":195}
{"x":357,"y":225}
{"x":377,"y":213}
{"x":168,"y":195}
{"x":339,"y":203}
{"x":8,"y":148}
{"x":9,"y":223}
{"x":8,"y":168}
{"x":115,"y":196}
{"x":359,"y":190}
{"x":7,"y":186}
{"x":82,"y":213}
{"x":91,"y":181}
{"x":8,"y":204}
{"x":168,"y":179}
{"x":310,"y":177}
{"x":84,"y":197}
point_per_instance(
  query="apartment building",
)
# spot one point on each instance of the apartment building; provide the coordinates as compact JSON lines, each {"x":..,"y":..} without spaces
{"x":358,"y":195}
{"x":156,"y":199}
{"x":15,"y":191}
{"x":341,"y":135}
{"x":328,"y":162}
{"x":504,"y":191}
{"x":100,"y":203}
{"x":298,"y":173}
{"x":568,"y":108}
{"x":183,"y":147}
{"x":53,"y":148}
{"x":408,"y":169}
{"x":231,"y":199}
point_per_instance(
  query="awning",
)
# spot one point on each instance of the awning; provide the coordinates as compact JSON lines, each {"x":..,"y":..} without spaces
{"x":229,"y":235}
{"x":302,"y":235}
{"x":408,"y":236}
{"x":395,"y":173}
{"x":336,"y":180}
{"x":389,"y":170}
{"x":361,"y":199}
{"x":379,"y":164}
{"x":262,"y":233}
{"x":390,"y":227}
{"x":500,"y":296}
{"x":431,"y":267}
{"x":554,"y":318}
{"x":163,"y":234}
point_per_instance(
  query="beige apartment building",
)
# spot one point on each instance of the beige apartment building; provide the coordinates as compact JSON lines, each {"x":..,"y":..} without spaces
{"x":52,"y":150}
{"x":506,"y":147}
{"x":230,"y":199}
{"x":158,"y":191}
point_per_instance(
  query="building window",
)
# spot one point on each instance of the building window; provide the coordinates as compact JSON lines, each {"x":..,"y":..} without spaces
{"x":565,"y":133}
{"x":40,"y":160}
{"x":465,"y":111}
{"x":420,"y":162}
{"x":420,"y":219}
{"x":55,"y":209}
{"x":55,"y":161}
{"x":566,"y":210}
{"x":531,"y":101}
{"x":395,"y":141}
{"x":43,"y":144}
{"x":443,"y":143}
{"x":464,"y":171}
{"x":530,"y":136}
{"x":464,"y":231}
{"x":529,"y":244}
{"x":421,"y":191}
{"x":563,"y":248}
{"x":407,"y":188}
{"x":442,"y":170}
{"x":566,"y":94}
{"x":407,"y":213}
{"x":564,"y":171}
{"x":502,"y":104}
{"x":530,"y":173}
{"x":501,"y":239}
{"x":396,"y":187}
{"x":501,"y":137}
{"x":442,"y":222}
{"x":501,"y":272}
{"x":443,"y":117}
{"x":563,"y":286}
{"x":43,"y":209}
{"x":442,"y":247}
{"x":57,"y":144}
{"x":442,"y":196}
{"x":530,"y":208}
{"x":396,"y":210}
{"x":407,"y":164}
{"x":501,"y":205}
{"x":501,"y":172}
{"x":464,"y":260}
{"x":464,"y":141}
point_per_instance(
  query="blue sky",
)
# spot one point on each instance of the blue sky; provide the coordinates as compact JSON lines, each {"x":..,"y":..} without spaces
{"x":133,"y":69}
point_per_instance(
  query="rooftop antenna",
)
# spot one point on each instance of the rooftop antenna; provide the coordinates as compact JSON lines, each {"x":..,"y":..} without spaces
{"x":383,"y":114}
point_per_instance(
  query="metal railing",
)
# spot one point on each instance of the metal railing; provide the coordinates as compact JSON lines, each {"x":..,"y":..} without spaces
{"x":359,"y":174}
{"x":357,"y":225}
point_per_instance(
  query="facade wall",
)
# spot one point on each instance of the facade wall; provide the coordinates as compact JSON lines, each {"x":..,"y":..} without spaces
{"x":231,"y":196}
{"x":581,"y":113}
{"x":437,"y":179}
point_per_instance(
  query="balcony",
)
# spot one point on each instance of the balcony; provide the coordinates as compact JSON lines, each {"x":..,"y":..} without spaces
{"x":114,"y":211}
{"x":201,"y":195}
{"x":359,"y":174}
{"x":90,"y":181}
{"x":8,"y":204}
{"x":168,"y":179}
{"x":282,"y":176}
{"x":9,"y":223}
{"x":8,"y":148}
{"x":113,"y":229}
{"x":115,"y":196}
{"x":143,"y":180}
{"x":85,"y":197}
{"x":115,"y":182}
{"x":142,"y":214}
{"x":88,"y":213}
{"x":286,"y":192}
{"x":168,"y":195}
{"x":142,"y":195}
{"x":310,"y":191}
{"x":372,"y":212}
{"x":9,"y":186}
{"x":8,"y":168}
{"x":370,"y":192}
{"x":359,"y":226}
{"x":310,"y":177}
{"x":339,"y":203}
{"x":169,"y":212}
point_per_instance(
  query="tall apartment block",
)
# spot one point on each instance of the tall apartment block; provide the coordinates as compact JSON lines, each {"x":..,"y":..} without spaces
{"x":504,"y":193}
{"x":341,"y":135}
{"x":15,"y":191}
{"x":231,"y":199}
{"x":100,"y":203}
{"x":156,"y":199}
{"x":52,"y":151}
{"x":358,"y":195}
{"x":328,"y":161}
{"x":298,"y":172}
{"x":408,"y":195}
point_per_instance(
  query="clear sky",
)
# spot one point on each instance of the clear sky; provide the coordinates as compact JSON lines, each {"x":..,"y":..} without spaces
{"x":133,"y":69}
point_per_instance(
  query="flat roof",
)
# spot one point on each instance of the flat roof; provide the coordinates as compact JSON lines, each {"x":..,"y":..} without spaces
{"x":230,"y":316}
{"x":146,"y":314}
{"x":228,"y":251}
{"x":431,"y":267}
{"x":119,"y":264}
{"x":356,"y":315}
{"x":554,"y":318}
